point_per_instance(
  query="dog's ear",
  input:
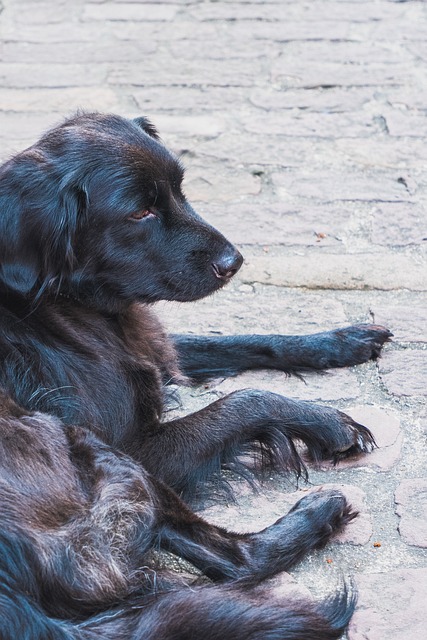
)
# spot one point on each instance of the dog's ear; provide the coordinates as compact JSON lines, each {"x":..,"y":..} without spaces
{"x":145,"y":124}
{"x":39,"y":216}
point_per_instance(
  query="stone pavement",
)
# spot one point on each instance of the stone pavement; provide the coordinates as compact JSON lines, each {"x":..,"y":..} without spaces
{"x":303,"y":127}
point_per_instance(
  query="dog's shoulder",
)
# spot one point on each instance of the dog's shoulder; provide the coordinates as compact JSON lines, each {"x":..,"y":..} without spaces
{"x":148,"y":340}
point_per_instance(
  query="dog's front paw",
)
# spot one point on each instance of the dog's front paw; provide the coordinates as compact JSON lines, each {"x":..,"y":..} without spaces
{"x":335,"y":435}
{"x":360,"y":439}
{"x":357,"y":344}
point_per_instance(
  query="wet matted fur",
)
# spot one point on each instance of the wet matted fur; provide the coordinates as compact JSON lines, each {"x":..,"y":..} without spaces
{"x":94,"y":228}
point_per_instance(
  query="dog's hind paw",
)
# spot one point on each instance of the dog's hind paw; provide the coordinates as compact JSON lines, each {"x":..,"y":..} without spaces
{"x":328,"y":508}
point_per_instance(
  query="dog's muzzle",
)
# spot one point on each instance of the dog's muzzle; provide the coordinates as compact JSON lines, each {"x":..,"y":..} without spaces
{"x":226,"y":266}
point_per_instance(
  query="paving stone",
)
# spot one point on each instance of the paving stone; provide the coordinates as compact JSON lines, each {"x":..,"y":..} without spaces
{"x":234,"y":311}
{"x":409,"y":28}
{"x":337,"y":384}
{"x":348,"y":52}
{"x":129,"y":11}
{"x":149,"y":2}
{"x":399,"y":224}
{"x":64,"y":100}
{"x":293,"y":73}
{"x":408,"y":97}
{"x":260,"y":222}
{"x":23,"y":126}
{"x":290,"y":30}
{"x":331,"y":100}
{"x":267,"y":150}
{"x":106,"y":51}
{"x":235,"y":73}
{"x":317,"y":270}
{"x":404,"y":373}
{"x":385,"y":152}
{"x":408,"y":325}
{"x":331,"y":11}
{"x":40,"y":13}
{"x":119,"y":2}
{"x":153,"y":99}
{"x":306,"y":124}
{"x":406,"y":123}
{"x":220,"y":183}
{"x":164,"y":33}
{"x":390,"y":606}
{"x":411,"y":501}
{"x":60,"y":32}
{"x":328,"y":186}
{"x":204,"y":125}
{"x":219,"y":47}
{"x":52,"y":74}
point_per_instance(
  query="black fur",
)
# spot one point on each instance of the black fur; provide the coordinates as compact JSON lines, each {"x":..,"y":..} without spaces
{"x":94,"y":227}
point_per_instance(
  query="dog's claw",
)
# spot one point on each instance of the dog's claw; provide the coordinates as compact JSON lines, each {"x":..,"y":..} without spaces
{"x":376,"y":336}
{"x":363,"y":441}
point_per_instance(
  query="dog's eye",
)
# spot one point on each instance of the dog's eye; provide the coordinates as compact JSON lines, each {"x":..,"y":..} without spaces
{"x":139,"y":215}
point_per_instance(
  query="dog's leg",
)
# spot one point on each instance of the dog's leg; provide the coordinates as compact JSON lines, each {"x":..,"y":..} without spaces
{"x":203,"y":357}
{"x":250,"y":558}
{"x":188,"y":450}
{"x":228,"y":610}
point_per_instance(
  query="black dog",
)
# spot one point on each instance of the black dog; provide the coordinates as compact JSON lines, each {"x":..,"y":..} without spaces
{"x":94,"y":227}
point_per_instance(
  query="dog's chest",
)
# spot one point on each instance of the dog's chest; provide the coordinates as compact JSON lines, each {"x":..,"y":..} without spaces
{"x":77,"y":366}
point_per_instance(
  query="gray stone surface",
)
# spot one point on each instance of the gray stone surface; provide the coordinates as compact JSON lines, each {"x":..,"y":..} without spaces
{"x":333,"y":185}
{"x":393,"y":609}
{"x":335,"y":385}
{"x":407,"y":327}
{"x":399,"y":224}
{"x":303,"y":128}
{"x":404,"y":373}
{"x":348,"y":271}
{"x":411,"y":501}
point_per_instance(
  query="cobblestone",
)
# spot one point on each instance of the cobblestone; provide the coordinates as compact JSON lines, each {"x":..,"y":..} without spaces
{"x":411,"y":501}
{"x":379,"y":616}
{"x":302,"y":126}
{"x":349,"y":271}
{"x":404,"y":373}
{"x":406,"y":327}
{"x":333,"y":186}
{"x":129,"y":11}
{"x":398,"y":224}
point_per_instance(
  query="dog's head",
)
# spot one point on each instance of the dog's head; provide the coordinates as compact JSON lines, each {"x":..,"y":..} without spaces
{"x":95,"y":210}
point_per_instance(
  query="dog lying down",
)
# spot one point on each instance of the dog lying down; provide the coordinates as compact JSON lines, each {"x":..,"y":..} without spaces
{"x":95,"y":228}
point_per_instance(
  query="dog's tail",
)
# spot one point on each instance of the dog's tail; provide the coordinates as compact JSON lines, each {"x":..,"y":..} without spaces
{"x":214,"y":613}
{"x":220,"y":612}
{"x":225,"y":613}
{"x":181,"y":616}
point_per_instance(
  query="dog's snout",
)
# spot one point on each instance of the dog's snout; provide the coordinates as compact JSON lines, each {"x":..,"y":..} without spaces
{"x":227,"y":265}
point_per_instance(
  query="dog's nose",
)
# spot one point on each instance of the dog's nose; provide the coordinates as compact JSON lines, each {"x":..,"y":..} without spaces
{"x":227,"y":265}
